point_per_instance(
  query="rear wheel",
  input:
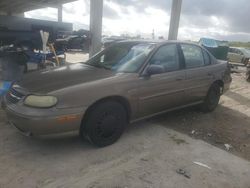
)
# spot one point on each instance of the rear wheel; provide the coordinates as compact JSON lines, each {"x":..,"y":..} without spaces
{"x":105,"y":123}
{"x":212,"y":98}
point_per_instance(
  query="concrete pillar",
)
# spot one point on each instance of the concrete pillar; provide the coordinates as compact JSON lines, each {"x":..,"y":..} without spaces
{"x":96,"y":13}
{"x":60,"y":12}
{"x":175,"y":19}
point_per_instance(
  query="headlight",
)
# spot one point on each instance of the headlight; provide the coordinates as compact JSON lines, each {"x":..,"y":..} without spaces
{"x":40,"y":101}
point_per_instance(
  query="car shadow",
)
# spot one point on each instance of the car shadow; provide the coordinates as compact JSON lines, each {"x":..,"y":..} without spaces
{"x":68,"y":141}
{"x":239,"y":98}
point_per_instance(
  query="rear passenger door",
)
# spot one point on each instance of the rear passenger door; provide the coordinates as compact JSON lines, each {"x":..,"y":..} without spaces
{"x":198,"y":74}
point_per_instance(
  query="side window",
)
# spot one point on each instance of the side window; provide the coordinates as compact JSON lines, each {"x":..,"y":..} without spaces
{"x":167,"y":56}
{"x":193,"y":55}
{"x":207,"y":60}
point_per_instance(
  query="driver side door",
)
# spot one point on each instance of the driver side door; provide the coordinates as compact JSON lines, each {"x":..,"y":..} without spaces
{"x":161,"y":92}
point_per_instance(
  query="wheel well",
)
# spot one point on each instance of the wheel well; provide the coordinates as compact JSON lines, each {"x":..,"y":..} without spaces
{"x":123,"y":101}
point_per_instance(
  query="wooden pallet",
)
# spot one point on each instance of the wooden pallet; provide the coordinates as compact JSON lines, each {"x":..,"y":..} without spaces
{"x":237,"y":64}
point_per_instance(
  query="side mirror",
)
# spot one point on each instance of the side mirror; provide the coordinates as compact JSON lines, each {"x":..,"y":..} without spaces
{"x":154,"y":69}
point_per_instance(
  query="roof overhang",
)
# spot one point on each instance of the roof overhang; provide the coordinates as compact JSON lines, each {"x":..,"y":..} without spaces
{"x":21,"y":6}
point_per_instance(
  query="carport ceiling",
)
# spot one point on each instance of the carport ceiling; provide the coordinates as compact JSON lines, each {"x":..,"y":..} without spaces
{"x":21,"y":6}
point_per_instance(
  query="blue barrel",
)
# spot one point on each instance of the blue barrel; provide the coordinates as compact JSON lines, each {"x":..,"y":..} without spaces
{"x":4,"y":87}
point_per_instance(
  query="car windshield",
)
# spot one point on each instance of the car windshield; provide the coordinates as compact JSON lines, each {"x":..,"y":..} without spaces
{"x":122,"y":57}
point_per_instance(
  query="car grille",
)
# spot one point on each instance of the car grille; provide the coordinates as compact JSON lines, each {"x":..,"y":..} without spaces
{"x":14,"y":96}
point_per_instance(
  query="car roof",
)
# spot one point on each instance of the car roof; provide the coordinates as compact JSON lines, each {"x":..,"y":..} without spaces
{"x":159,"y":42}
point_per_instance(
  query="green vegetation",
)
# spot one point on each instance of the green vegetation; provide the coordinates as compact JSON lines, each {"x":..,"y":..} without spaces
{"x":240,"y":44}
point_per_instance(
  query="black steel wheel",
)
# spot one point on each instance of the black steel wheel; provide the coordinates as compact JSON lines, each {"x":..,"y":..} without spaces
{"x":105,"y":123}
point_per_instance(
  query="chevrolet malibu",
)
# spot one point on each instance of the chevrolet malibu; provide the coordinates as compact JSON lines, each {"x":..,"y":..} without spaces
{"x":127,"y":82}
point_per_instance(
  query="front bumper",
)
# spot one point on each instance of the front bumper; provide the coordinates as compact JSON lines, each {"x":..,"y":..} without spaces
{"x":51,"y":121}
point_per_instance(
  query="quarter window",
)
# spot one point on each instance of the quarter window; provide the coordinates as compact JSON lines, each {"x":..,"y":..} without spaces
{"x":193,"y":56}
{"x":167,"y":57}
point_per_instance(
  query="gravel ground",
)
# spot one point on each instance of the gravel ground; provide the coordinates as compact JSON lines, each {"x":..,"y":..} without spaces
{"x":148,"y":155}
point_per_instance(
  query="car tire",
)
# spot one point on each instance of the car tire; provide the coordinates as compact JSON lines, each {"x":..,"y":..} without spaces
{"x":105,"y":123}
{"x":212,"y":99}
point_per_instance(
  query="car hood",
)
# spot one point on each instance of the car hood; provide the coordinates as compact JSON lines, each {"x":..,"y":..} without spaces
{"x":62,"y":77}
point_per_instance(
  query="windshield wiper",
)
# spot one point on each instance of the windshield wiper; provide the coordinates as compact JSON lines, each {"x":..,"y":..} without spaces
{"x":98,"y":66}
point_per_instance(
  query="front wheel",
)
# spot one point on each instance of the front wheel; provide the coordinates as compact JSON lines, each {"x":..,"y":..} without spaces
{"x":105,"y":123}
{"x":212,"y":99}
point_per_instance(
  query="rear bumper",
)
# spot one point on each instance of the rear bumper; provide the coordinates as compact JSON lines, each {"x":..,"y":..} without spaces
{"x":60,"y":121}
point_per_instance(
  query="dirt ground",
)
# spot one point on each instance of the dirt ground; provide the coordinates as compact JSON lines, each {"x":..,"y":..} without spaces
{"x":148,"y":154}
{"x":229,"y":124}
